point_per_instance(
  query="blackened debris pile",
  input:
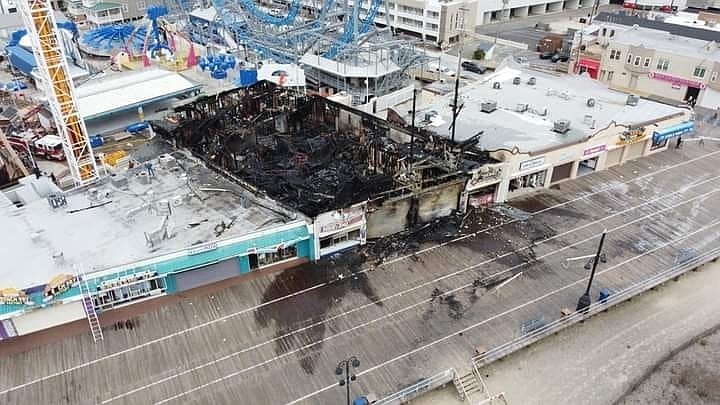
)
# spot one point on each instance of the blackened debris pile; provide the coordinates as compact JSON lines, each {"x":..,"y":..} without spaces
{"x":310,"y":153}
{"x":312,"y":174}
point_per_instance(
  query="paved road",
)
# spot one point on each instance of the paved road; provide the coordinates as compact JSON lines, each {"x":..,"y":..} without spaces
{"x":278,"y":338}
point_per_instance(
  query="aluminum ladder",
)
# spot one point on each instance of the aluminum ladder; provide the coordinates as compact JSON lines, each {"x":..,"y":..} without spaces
{"x":89,"y":307}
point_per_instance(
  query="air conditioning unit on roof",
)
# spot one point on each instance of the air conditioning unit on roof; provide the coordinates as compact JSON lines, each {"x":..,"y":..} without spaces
{"x":561,"y":126}
{"x":488,"y":106}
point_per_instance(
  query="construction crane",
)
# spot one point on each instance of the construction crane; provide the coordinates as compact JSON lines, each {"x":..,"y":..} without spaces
{"x":52,"y":63}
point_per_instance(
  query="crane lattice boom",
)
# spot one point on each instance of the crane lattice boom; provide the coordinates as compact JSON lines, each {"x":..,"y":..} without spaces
{"x":52,"y":63}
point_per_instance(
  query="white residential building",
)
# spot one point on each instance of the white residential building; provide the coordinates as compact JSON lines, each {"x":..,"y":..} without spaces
{"x":651,"y":62}
{"x":437,"y":20}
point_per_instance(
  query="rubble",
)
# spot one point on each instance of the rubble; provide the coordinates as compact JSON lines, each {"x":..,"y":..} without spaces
{"x":312,"y":154}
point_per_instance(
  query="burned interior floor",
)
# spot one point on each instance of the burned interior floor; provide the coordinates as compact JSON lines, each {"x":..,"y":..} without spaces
{"x":312,"y":154}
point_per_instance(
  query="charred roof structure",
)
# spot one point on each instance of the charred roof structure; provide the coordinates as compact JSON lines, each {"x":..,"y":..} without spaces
{"x":312,"y":154}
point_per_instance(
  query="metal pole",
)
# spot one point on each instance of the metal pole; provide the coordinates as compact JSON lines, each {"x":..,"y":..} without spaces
{"x":457,"y":76}
{"x":585,"y":300}
{"x":347,"y":380}
{"x":412,"y":126}
{"x":595,"y":262}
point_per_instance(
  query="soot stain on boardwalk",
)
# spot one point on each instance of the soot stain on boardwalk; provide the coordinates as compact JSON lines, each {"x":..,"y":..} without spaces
{"x":310,"y":308}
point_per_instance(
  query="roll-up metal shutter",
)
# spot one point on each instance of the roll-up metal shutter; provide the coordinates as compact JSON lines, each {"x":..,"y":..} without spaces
{"x":613,"y":157}
{"x":207,"y":275}
{"x":562,"y":172}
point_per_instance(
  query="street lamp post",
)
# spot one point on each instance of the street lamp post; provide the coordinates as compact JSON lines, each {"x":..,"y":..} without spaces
{"x":584,"y":301}
{"x":343,"y":370}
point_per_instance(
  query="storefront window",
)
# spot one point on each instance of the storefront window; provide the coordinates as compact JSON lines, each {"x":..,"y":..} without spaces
{"x":531,"y":180}
{"x":658,"y":145}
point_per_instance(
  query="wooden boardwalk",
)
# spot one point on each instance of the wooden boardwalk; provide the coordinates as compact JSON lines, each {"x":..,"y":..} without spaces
{"x":406,"y":320}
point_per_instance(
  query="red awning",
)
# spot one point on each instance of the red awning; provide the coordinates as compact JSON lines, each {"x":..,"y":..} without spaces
{"x":589,"y":63}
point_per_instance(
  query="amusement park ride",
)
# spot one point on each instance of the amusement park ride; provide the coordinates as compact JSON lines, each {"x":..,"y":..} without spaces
{"x":331,"y":32}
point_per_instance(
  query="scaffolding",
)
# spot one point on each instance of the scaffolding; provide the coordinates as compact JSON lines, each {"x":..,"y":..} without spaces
{"x":40,"y":23}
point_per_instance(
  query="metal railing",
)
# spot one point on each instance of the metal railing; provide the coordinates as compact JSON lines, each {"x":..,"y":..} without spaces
{"x":418,"y":388}
{"x":599,"y":306}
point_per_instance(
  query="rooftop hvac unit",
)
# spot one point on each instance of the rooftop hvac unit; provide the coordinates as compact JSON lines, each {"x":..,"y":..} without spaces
{"x":587,"y":119}
{"x":561,"y":126}
{"x":632,"y":100}
{"x":516,"y":80}
{"x":521,"y":107}
{"x":590,"y":102}
{"x":496,"y":85}
{"x":532,"y":81}
{"x":488,"y":106}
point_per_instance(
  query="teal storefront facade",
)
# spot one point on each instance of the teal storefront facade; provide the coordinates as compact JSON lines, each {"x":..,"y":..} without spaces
{"x":172,"y":272}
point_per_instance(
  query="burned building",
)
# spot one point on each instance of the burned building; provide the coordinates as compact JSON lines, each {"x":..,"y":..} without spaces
{"x":351,"y":174}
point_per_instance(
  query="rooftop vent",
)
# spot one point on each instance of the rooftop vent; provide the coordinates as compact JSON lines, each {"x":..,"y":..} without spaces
{"x":488,"y":106}
{"x":590,"y":102}
{"x":516,"y":80}
{"x":632,"y":100}
{"x":561,"y":126}
{"x":496,"y":85}
{"x":531,"y":81}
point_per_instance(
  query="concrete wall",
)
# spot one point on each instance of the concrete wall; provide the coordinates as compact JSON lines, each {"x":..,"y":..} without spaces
{"x":439,"y":202}
{"x":48,"y":317}
{"x":388,"y":219}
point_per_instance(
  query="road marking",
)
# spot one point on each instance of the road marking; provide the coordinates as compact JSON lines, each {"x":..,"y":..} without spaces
{"x":320,"y":285}
{"x":367,"y":323}
{"x":501,"y":314}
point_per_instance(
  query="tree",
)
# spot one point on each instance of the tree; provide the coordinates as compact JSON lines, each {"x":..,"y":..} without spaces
{"x":479,"y":54}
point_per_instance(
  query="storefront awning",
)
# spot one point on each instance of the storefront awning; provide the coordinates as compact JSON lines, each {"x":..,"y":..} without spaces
{"x":589,"y":63}
{"x":671,"y":132}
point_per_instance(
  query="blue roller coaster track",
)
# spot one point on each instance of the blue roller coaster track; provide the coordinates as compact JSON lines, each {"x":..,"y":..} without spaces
{"x":349,"y":30}
{"x":282,"y":46}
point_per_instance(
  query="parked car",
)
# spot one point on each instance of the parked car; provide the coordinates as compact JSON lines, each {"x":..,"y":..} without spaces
{"x":546,"y":55}
{"x":560,"y":57}
{"x":473,"y":67}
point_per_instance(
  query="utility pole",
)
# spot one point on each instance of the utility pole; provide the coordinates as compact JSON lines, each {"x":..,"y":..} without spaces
{"x":593,"y":11}
{"x":412,"y":127}
{"x":584,"y":301}
{"x":455,"y":108}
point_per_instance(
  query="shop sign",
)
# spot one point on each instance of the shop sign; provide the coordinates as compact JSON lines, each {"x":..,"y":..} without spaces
{"x":338,"y":224}
{"x":671,"y":132}
{"x":59,"y":284}
{"x":594,"y":150}
{"x":677,"y":81}
{"x":631,"y":136}
{"x":532,"y":163}
{"x":11,"y":296}
{"x":202,"y":249}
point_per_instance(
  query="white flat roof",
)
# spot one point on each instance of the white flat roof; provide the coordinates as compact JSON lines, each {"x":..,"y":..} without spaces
{"x":565,"y":97}
{"x":113,"y":233}
{"x":666,"y":42}
{"x":120,"y":92}
{"x":370,"y":69}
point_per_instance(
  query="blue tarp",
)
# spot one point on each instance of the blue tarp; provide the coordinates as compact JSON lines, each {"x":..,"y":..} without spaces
{"x":673,"y":131}
{"x":21,"y":59}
